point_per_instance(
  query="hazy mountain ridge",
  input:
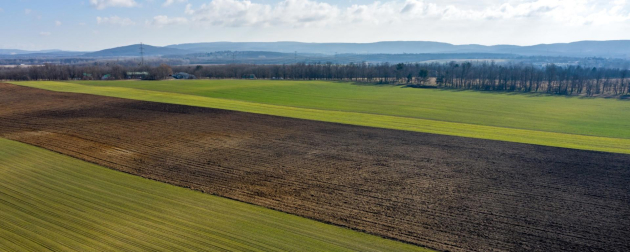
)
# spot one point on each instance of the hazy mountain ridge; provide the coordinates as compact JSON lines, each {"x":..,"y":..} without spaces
{"x":618,"y":48}
{"x":607,"y":49}
{"x":134,"y":50}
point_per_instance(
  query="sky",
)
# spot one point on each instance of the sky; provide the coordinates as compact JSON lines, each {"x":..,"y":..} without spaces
{"x":88,"y":25}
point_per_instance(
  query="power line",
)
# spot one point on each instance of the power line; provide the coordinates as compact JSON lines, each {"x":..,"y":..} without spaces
{"x":142,"y":54}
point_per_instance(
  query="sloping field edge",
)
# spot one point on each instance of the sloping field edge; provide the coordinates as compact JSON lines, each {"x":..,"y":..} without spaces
{"x":594,"y":143}
{"x":47,"y":196}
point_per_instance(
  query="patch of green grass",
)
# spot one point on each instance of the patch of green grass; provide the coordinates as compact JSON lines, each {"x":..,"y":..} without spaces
{"x":49,"y":201}
{"x":593,"y":117}
{"x":398,"y":116}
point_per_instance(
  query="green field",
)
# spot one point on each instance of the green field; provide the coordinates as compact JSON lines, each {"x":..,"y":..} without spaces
{"x":53,"y":202}
{"x":590,"y":124}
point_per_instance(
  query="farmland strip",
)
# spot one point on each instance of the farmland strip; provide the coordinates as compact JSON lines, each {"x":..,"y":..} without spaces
{"x":445,"y":192}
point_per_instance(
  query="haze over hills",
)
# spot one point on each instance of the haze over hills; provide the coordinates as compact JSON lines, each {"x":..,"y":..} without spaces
{"x":134,"y":50}
{"x":618,"y":49}
{"x":14,"y":53}
{"x":607,"y":49}
{"x":20,"y":52}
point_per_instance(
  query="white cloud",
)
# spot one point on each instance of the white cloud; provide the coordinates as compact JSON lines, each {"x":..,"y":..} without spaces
{"x":522,"y":22}
{"x":189,"y":10}
{"x":1,"y":10}
{"x":57,"y":23}
{"x":169,"y":2}
{"x":114,"y":20}
{"x":27,"y":11}
{"x":245,"y":13}
{"x":45,"y":34}
{"x":161,"y":21}
{"x":102,"y":4}
{"x":236,"y":13}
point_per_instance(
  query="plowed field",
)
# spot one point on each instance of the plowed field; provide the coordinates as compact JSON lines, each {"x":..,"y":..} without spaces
{"x":52,"y":202}
{"x":444,"y":192}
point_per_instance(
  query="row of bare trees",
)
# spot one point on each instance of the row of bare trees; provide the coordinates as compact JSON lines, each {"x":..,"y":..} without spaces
{"x":551,"y":79}
{"x":78,"y":72}
{"x":487,"y":76}
{"x":384,"y":73}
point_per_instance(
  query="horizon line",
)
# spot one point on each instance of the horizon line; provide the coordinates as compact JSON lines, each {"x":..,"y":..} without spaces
{"x":384,"y":41}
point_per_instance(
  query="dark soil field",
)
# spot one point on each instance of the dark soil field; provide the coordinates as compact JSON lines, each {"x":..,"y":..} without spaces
{"x":443,"y":192}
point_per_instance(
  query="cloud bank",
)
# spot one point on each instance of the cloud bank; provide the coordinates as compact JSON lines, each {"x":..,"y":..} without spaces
{"x":114,"y":20}
{"x":160,"y":21}
{"x":103,"y":4}
{"x":304,"y":13}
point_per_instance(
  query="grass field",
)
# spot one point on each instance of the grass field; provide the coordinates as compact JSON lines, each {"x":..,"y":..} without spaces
{"x":595,"y":117}
{"x":49,"y":201}
{"x":590,"y":124}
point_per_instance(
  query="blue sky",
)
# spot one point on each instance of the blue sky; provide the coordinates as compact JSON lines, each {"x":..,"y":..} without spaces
{"x":85,"y":25}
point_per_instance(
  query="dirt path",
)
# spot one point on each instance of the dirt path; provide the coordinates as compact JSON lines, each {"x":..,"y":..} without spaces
{"x":444,"y":192}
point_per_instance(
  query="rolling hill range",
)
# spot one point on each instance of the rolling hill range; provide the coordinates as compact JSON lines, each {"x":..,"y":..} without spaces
{"x":13,"y":53}
{"x":619,"y":48}
{"x":606,"y":49}
{"x":134,"y":50}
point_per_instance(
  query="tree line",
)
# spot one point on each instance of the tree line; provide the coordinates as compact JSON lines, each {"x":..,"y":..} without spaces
{"x":487,"y":76}
{"x":84,"y":72}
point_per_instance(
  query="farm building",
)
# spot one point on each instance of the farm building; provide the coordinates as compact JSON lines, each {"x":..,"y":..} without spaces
{"x":249,"y":76}
{"x":183,"y":76}
{"x":137,"y":75}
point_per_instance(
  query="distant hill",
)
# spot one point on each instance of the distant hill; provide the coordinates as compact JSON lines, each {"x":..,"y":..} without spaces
{"x":12,"y":51}
{"x":325,"y":48}
{"x":47,"y":54}
{"x":134,"y":50}
{"x":265,"y":57}
{"x":613,"y":48}
{"x":618,"y":49}
{"x":24,"y":52}
{"x":605,"y":49}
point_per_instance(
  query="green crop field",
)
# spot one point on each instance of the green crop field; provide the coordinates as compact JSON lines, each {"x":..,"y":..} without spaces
{"x":53,"y":202}
{"x":590,"y":124}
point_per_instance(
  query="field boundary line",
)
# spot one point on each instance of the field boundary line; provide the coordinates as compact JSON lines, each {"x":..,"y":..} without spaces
{"x":554,"y":139}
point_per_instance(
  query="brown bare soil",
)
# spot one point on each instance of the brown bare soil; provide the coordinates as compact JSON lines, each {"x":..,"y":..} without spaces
{"x":444,"y":192}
